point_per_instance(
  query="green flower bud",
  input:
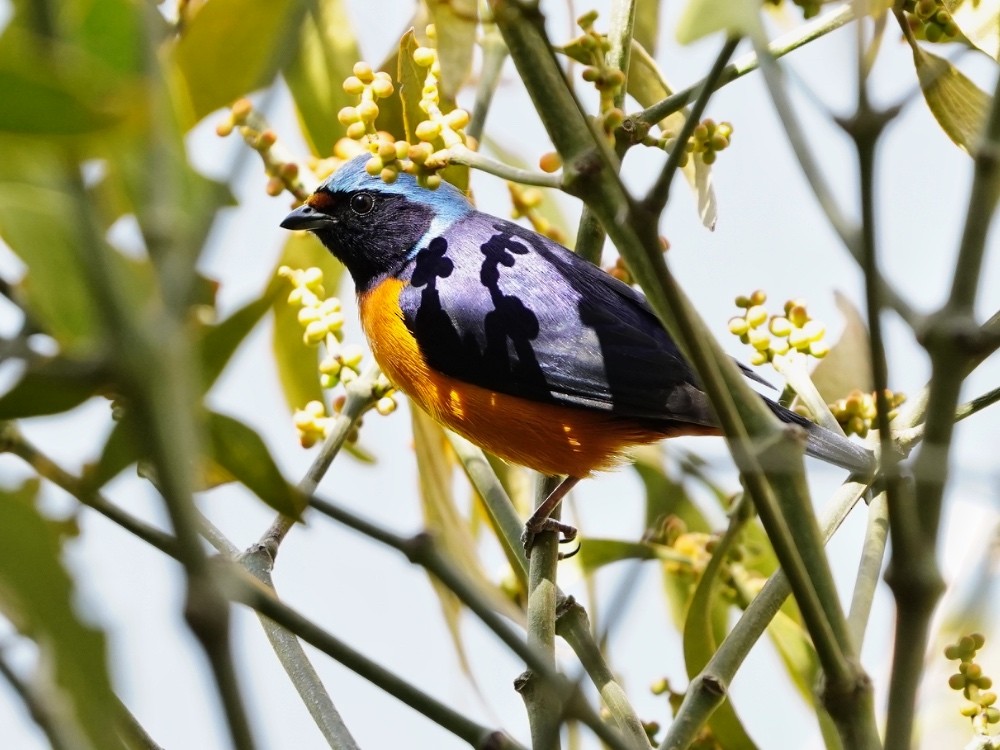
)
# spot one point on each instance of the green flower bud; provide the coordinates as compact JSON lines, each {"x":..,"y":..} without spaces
{"x":957,"y":682}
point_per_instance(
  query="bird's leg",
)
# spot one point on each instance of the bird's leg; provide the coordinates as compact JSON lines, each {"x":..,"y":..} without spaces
{"x":540,"y":520}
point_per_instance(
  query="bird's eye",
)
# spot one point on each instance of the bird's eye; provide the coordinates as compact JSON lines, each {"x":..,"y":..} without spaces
{"x":362,"y":203}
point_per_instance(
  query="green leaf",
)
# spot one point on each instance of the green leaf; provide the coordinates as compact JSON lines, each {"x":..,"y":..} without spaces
{"x":113,"y":30}
{"x":120,"y":451}
{"x":324,"y":57}
{"x":703,"y":17}
{"x":704,"y":625}
{"x":848,"y":364}
{"x":38,"y":222}
{"x":46,"y":106}
{"x":435,"y":470}
{"x":52,"y":387}
{"x":665,"y":496}
{"x":979,"y":21}
{"x":36,"y":595}
{"x":647,"y":24}
{"x":797,"y":652}
{"x":59,"y":87}
{"x":220,"y":341}
{"x":456,"y":23}
{"x":958,"y":105}
{"x":411,"y":83}
{"x":298,"y":364}
{"x":241,"y":452}
{"x":597,"y":553}
{"x":233,"y":47}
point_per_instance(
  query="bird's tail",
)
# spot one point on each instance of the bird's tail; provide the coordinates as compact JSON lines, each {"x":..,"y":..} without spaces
{"x":827,"y":445}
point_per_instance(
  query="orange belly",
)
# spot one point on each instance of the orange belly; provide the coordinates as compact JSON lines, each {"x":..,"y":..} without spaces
{"x":549,"y":438}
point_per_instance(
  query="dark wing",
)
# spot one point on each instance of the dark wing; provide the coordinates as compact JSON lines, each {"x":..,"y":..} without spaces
{"x":497,"y":305}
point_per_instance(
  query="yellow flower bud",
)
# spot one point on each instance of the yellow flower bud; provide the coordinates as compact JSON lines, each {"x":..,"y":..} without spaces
{"x":738,"y":326}
{"x":756,"y":315}
{"x":428,"y":130}
{"x":364,"y":71}
{"x":353,"y":86}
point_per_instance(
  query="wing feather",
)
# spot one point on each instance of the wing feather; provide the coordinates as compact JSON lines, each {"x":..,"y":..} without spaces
{"x":496,"y":305}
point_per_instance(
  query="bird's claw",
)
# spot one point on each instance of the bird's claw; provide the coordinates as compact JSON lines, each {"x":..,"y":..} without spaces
{"x":566,"y":533}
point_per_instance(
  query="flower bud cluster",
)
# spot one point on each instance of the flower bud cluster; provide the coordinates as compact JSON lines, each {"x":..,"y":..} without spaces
{"x":775,"y":335}
{"x":283,"y":173}
{"x":975,"y":686}
{"x":322,"y":319}
{"x":931,"y":20}
{"x":435,"y":135}
{"x":526,"y":202}
{"x":369,"y":86}
{"x":705,"y":143}
{"x":591,"y":49}
{"x":858,"y":411}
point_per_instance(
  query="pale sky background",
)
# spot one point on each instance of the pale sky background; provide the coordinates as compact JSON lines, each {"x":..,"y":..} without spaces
{"x":770,"y":234}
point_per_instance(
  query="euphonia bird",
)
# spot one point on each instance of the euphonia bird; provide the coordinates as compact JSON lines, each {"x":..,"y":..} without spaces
{"x":512,"y":340}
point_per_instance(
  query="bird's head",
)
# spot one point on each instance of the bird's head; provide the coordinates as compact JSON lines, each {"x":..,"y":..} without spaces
{"x":374,"y":227}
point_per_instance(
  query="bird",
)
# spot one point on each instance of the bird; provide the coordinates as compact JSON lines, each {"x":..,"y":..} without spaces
{"x":510,"y":339}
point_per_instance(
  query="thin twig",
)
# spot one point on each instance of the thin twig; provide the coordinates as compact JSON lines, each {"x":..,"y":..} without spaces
{"x":659,"y":194}
{"x":542,"y":701}
{"x":869,"y":568}
{"x":913,"y":573}
{"x":422,"y":551}
{"x":748,"y":63}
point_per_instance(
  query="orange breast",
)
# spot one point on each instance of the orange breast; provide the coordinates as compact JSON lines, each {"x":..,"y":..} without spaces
{"x":546,"y":437}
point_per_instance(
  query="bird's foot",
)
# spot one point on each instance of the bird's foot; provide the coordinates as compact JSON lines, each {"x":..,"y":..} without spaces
{"x":532,"y":529}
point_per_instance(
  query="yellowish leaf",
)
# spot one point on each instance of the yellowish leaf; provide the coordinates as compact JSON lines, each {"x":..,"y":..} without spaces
{"x":703,"y":17}
{"x":979,"y":21}
{"x":956,"y":102}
